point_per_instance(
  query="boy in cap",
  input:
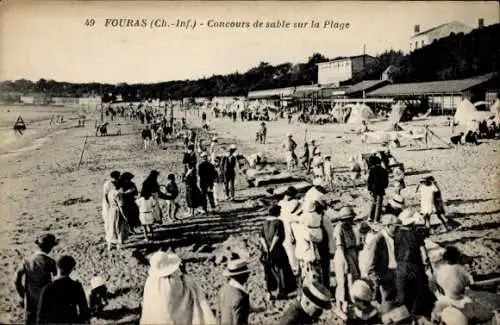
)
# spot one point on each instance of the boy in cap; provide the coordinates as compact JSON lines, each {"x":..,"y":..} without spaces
{"x":63,"y":301}
{"x":308,"y":308}
{"x":37,"y":272}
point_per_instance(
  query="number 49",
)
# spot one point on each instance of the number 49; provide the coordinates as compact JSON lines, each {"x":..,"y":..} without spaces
{"x":89,"y":22}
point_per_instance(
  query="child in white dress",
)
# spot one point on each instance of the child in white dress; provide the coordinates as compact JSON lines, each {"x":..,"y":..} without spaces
{"x":146,"y":204}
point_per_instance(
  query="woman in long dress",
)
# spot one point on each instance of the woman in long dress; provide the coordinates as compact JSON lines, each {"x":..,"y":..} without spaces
{"x":151,"y":187}
{"x":116,"y":225}
{"x":130,"y":192}
{"x":278,"y":273}
{"x":172,"y":297}
{"x":345,"y":259}
{"x":108,"y":185}
{"x":289,"y":207}
{"x":194,"y":198}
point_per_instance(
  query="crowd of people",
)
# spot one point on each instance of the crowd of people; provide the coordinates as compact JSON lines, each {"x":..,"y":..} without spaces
{"x":380,"y":261}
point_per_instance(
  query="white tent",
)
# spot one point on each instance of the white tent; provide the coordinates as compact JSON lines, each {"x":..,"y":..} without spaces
{"x":359,"y":113}
{"x":495,"y":109}
{"x":397,"y":111}
{"x":466,"y":113}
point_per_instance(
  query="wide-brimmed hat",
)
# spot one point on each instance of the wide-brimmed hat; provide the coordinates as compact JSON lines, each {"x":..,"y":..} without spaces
{"x":453,"y":316}
{"x":318,"y":181}
{"x":164,"y":264}
{"x":232,"y":147}
{"x":409,"y":217}
{"x":426,"y":179}
{"x":47,"y":240}
{"x":289,"y":135}
{"x":389,"y":219}
{"x":97,"y":282}
{"x":346,"y":213}
{"x":214,"y":139}
{"x":236,"y":267}
{"x":317,"y":294}
{"x":203,"y":155}
{"x":397,"y":201}
{"x":361,"y":290}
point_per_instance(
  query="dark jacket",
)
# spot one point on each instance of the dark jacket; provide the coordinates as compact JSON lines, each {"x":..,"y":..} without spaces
{"x":378,"y":263}
{"x":229,"y":165}
{"x":207,"y":174}
{"x":63,"y":302}
{"x":378,"y":180}
{"x":295,"y":315}
{"x":234,"y":306}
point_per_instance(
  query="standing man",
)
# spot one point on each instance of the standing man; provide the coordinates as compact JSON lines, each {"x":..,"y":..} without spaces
{"x":378,"y":180}
{"x":229,"y":168}
{"x":37,"y":272}
{"x":189,"y":157}
{"x":234,"y":302}
{"x":147,"y":136}
{"x":63,"y":301}
{"x":290,"y":145}
{"x":207,"y":175}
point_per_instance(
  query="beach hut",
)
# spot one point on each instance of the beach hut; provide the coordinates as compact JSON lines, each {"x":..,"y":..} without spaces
{"x":359,"y":113}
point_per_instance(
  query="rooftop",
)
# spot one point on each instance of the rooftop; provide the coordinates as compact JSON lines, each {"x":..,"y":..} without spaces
{"x":365,"y":85}
{"x":432,"y":87}
{"x":436,"y":30}
{"x":346,"y":57}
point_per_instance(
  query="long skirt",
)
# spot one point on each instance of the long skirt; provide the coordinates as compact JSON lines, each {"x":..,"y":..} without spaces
{"x":278,"y":273}
{"x":194,"y":198}
{"x":345,"y":275}
{"x":310,"y":271}
{"x":116,"y":227}
{"x":131,"y":211}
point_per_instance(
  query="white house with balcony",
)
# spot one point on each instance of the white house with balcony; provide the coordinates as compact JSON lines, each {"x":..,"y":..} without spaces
{"x":421,"y":39}
{"x":341,"y":69}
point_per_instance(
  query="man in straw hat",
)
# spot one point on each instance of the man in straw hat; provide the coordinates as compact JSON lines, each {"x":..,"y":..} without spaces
{"x":37,"y":271}
{"x":345,"y":260}
{"x":290,"y":145}
{"x":412,"y":282}
{"x":379,"y":262}
{"x":308,"y":308}
{"x":234,"y":301}
{"x":395,"y":205}
{"x":363,"y":310}
{"x":172,"y":297}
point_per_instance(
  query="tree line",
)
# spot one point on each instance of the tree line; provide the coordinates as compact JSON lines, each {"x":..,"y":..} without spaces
{"x":453,"y":57}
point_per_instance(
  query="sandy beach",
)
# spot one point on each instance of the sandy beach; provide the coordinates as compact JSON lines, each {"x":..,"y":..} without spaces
{"x":43,"y":190}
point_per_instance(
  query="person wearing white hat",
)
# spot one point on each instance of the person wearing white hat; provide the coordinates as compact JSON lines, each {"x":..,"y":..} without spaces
{"x":314,"y":200}
{"x":453,"y":316}
{"x":214,"y":149}
{"x":308,"y":308}
{"x":411,"y":279}
{"x":378,"y":261}
{"x":98,"y":297}
{"x":171,"y":297}
{"x":345,"y":260}
{"x":234,"y":301}
{"x":363,"y":311}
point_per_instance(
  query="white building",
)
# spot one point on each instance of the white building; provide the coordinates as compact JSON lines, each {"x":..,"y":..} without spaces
{"x":421,"y":39}
{"x":341,"y":69}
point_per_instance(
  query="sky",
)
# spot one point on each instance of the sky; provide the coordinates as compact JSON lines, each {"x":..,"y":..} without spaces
{"x":53,"y":39}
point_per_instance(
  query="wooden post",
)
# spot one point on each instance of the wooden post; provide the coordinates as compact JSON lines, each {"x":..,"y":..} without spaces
{"x":83,"y":150}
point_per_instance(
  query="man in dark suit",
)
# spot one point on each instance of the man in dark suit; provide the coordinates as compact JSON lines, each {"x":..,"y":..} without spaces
{"x":378,"y":180}
{"x":63,"y":301}
{"x":314,"y":299}
{"x":234,"y":302}
{"x":37,"y":272}
{"x":207,"y":175}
